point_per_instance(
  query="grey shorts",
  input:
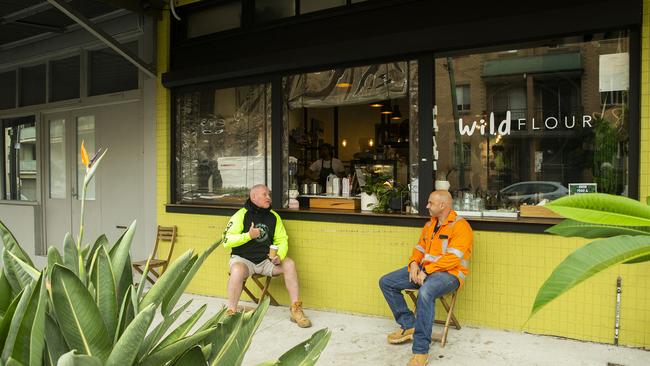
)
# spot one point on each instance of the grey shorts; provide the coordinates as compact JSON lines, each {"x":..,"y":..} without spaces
{"x":265,"y":268}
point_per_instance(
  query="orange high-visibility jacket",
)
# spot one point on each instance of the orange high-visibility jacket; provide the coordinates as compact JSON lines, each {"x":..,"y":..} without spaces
{"x":447,"y":250}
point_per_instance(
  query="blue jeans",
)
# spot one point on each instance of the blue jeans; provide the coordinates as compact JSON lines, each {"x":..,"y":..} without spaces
{"x":435,"y":285}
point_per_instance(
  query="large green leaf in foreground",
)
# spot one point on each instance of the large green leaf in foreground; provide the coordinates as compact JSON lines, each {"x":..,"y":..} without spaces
{"x":600,"y":208}
{"x":81,"y":323}
{"x":587,"y":261}
{"x":571,"y":228}
{"x":307,"y":352}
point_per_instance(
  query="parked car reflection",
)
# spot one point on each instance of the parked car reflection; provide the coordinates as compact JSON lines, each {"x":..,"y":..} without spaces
{"x":532,"y":192}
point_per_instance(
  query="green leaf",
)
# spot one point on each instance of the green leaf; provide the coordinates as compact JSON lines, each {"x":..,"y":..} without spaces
{"x":194,"y":357}
{"x":177,"y":281}
{"x":74,"y":359}
{"x":569,"y":228}
{"x":126,"y":348}
{"x":102,"y":278}
{"x":170,"y":301}
{"x":6,"y":294}
{"x":182,"y":330}
{"x":101,"y":241}
{"x":126,"y":279}
{"x":13,"y":362}
{"x":80,"y":320}
{"x":120,"y":253}
{"x":600,"y":208}
{"x":11,"y":244}
{"x":225,"y":335}
{"x":54,"y":343}
{"x":234,"y":352}
{"x":53,"y":257}
{"x":307,"y":352}
{"x":587,"y":261}
{"x":645,"y":258}
{"x":154,"y":336}
{"x":127,"y":314}
{"x":216,"y":318}
{"x":70,"y":254}
{"x":16,"y":276}
{"x":28,"y":328}
{"x":159,"y":290}
{"x":24,"y":270}
{"x":5,"y":324}
{"x":172,"y":351}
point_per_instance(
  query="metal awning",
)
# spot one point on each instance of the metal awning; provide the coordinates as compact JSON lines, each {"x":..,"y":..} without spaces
{"x":533,"y":64}
{"x":28,"y":21}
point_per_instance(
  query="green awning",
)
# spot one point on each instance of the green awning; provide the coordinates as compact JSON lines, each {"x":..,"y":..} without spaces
{"x":533,"y":64}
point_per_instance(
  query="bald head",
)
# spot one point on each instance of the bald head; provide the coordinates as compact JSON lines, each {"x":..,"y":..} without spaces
{"x":440,"y":203}
{"x":260,"y":196}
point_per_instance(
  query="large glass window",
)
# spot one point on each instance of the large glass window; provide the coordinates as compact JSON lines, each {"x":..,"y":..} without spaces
{"x":32,"y":85}
{"x":109,"y":72}
{"x":19,"y":159}
{"x":8,"y":90}
{"x":345,"y":126}
{"x":540,"y":121}
{"x":57,"y":159}
{"x":64,"y":79}
{"x":223,"y":143}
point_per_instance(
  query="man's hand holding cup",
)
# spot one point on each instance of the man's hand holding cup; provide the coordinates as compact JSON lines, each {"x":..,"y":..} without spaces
{"x":273,"y":254}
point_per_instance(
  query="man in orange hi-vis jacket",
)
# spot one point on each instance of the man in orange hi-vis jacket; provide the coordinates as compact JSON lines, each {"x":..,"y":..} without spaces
{"x":438,"y":265}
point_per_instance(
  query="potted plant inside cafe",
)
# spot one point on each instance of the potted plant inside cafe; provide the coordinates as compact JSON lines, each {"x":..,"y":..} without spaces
{"x":377,"y":184}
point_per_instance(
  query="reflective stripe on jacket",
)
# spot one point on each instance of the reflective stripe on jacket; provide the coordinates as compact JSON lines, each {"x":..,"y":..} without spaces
{"x":448,"y":249}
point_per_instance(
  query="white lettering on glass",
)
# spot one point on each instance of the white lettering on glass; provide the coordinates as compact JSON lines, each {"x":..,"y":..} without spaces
{"x":504,"y":128}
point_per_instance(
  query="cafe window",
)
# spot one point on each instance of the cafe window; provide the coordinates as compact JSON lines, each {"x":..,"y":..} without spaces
{"x":548,"y":118}
{"x":222,"y":143}
{"x":344,"y":126}
{"x":19,"y":159}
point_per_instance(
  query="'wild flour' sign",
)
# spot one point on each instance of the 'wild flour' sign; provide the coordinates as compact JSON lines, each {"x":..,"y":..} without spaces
{"x":550,"y":123}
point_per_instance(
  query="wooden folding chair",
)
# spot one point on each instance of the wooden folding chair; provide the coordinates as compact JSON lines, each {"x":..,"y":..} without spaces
{"x":165,"y":233}
{"x":264,"y":287}
{"x":449,"y":307}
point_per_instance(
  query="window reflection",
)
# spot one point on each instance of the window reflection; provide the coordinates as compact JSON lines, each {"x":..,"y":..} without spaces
{"x":19,"y":163}
{"x":540,"y":119}
{"x":344,"y":125}
{"x":223,"y":143}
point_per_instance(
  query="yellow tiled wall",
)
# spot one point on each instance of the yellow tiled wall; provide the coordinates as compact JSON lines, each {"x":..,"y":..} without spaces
{"x":340,"y":264}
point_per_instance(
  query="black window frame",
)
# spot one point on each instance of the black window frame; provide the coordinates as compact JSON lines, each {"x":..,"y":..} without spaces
{"x":424,"y":47}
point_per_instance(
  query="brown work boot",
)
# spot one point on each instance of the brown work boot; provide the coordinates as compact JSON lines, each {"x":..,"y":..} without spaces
{"x":298,"y":316}
{"x":401,"y":336}
{"x":418,"y":360}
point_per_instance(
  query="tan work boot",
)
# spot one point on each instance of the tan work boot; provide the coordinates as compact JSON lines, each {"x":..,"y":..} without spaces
{"x":418,"y":360}
{"x":401,"y":336}
{"x":298,"y":316}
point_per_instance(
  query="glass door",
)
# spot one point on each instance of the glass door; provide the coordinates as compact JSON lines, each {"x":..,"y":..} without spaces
{"x":64,"y":174}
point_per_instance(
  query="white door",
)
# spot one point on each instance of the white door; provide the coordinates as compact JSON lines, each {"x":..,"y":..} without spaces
{"x":113,"y":196}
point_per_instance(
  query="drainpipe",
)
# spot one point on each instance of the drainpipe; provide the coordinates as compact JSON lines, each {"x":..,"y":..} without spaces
{"x":617,"y":323}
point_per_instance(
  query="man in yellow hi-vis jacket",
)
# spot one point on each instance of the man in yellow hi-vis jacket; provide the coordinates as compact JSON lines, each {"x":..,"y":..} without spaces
{"x":437,"y":266}
{"x":250,"y":233}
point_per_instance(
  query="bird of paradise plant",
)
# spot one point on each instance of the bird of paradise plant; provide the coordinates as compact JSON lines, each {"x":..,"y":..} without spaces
{"x":621,"y":227}
{"x":83,"y":308}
